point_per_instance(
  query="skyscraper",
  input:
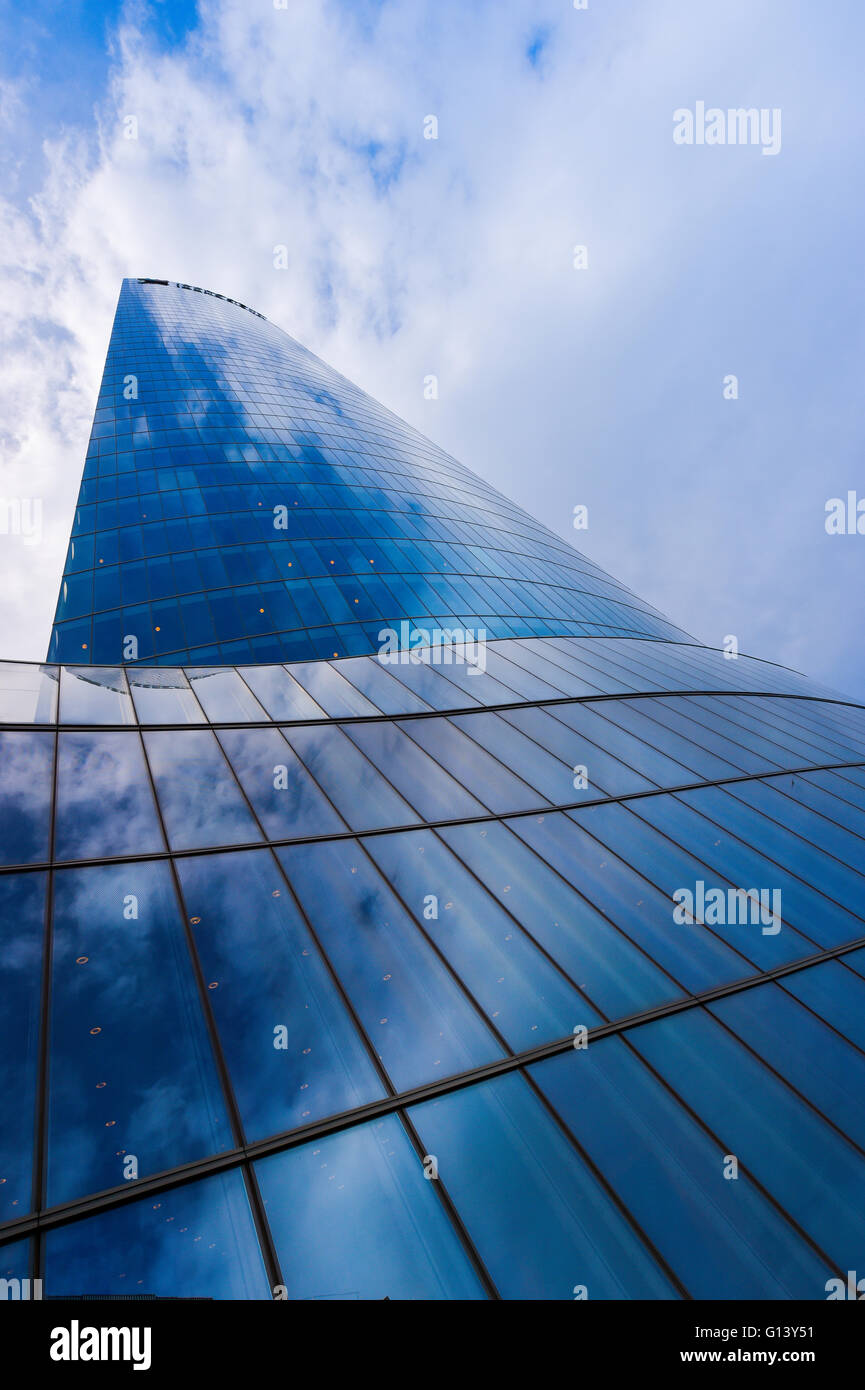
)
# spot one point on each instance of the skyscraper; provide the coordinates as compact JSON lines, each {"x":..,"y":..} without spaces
{"x":397,"y":906}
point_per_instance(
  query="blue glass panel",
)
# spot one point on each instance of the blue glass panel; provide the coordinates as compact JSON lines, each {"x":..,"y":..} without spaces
{"x":354,"y":1218}
{"x":553,"y":779}
{"x":196,"y":1241}
{"x":790,"y":851}
{"x":121,"y":975}
{"x":435,"y":794}
{"x":526,"y":998}
{"x":22,"y":911}
{"x":15,"y":1264}
{"x":807,"y":1167}
{"x":605,"y":775}
{"x":836,"y":993}
{"x":280,"y":694}
{"x":589,"y":723}
{"x":806,"y":913}
{"x":286,"y":799}
{"x":497,"y":788}
{"x":335,"y":695}
{"x":225,"y":697}
{"x":200,"y":801}
{"x":429,"y":685}
{"x":828,"y":1071}
{"x":690,"y":746}
{"x":293,"y":1053}
{"x":540,"y":1220}
{"x":104,"y":803}
{"x":377,"y":683}
{"x":670,"y":1174}
{"x":357,"y":790}
{"x":717,"y":903}
{"x":418,"y":1020}
{"x":696,"y":961}
{"x":613,"y":973}
{"x":26,"y":764}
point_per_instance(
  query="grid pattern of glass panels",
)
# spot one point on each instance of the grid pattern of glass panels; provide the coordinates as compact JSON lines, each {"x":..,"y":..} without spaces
{"x":535,"y":976}
{"x":243,"y":502}
{"x":362,"y":981}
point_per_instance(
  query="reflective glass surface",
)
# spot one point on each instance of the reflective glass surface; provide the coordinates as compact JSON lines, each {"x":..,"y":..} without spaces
{"x":420,"y":1022}
{"x":105,"y":806}
{"x":200,"y":799}
{"x":196,"y":1241}
{"x":22,"y":929}
{"x":243,"y":502}
{"x":133,"y":1085}
{"x":543,"y":1223}
{"x":292,"y":1049}
{"x":353,"y":1217}
{"x":562,"y":913}
{"x":26,"y":768}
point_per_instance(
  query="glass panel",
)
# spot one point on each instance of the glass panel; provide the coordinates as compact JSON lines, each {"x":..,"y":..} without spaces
{"x":95,"y":695}
{"x":541,"y":1222}
{"x":325,"y":684}
{"x":432,"y":687}
{"x":163,"y":696}
{"x":553,"y":779}
{"x":201,"y":802}
{"x":789,"y":812}
{"x":823,"y":1067}
{"x":293,"y":1053}
{"x":669,"y":1173}
{"x":375,"y":681}
{"x":835,"y":992}
{"x":807,"y":1167}
{"x":525,"y":685}
{"x":613,"y":973}
{"x":820,"y":921}
{"x":279,"y":693}
{"x":700,"y":901}
{"x":647,"y":760}
{"x":432,"y":791}
{"x":642,"y":912}
{"x":22,"y":912}
{"x":26,"y":764}
{"x":225,"y":697}
{"x":683,"y":740}
{"x":353,"y":1217}
{"x":824,"y":792}
{"x":483,"y":775}
{"x":15,"y":1264}
{"x":122,"y":974}
{"x":28,"y":694}
{"x":528,"y":1000}
{"x":286,"y":799}
{"x":468,"y":677}
{"x":604,"y":775}
{"x":196,"y":1241}
{"x":105,"y":805}
{"x":419,"y":1022}
{"x":538,"y":658}
{"x":357,"y":790}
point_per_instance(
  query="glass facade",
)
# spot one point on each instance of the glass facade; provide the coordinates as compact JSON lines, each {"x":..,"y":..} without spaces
{"x":242,"y":501}
{"x":332,"y":977}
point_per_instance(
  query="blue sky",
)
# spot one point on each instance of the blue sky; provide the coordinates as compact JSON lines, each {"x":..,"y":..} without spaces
{"x":304,"y":127}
